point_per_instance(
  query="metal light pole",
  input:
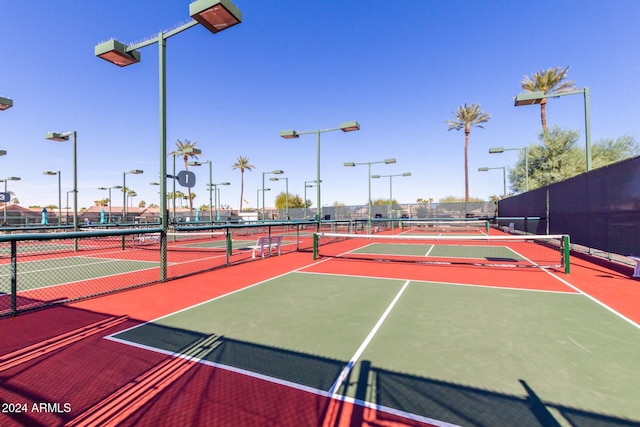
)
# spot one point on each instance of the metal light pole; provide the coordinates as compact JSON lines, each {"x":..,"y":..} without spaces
{"x":353,"y":164}
{"x":345,"y":127}
{"x":275,"y":172}
{"x":214,"y":187}
{"x":496,"y":150}
{"x":307,"y":184}
{"x":124,"y":191}
{"x":214,"y":15}
{"x":59,"y":194}
{"x":258,"y":200}
{"x":11,"y":178}
{"x":534,"y":98}
{"x":110,"y":200}
{"x":504,"y":177}
{"x":286,"y":194}
{"x":391,"y":188}
{"x":61,"y":137}
{"x":210,"y":184}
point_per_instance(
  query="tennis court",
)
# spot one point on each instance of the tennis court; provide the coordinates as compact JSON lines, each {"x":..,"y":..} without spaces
{"x":366,"y":339}
{"x":367,"y":333}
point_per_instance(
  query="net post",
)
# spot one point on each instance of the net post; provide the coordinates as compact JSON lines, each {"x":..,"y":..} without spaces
{"x":566,"y":252}
{"x":486,"y":226}
{"x":229,"y":244}
{"x":315,"y":246}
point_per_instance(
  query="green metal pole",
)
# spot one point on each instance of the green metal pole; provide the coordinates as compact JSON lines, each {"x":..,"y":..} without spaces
{"x":286,"y":198}
{"x":318,"y":178}
{"x":14,"y":277}
{"x":75,"y":189}
{"x":587,"y":125}
{"x":210,"y":190}
{"x":263,"y":210}
{"x":526,"y":168}
{"x":369,"y":201}
{"x":174,"y":186}
{"x":163,"y":155}
{"x":59,"y":199}
{"x":124,"y":197}
{"x":315,"y":246}
{"x":504,"y":181}
{"x":566,"y":254}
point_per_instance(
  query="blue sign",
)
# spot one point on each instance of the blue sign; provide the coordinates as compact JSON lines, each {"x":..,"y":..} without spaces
{"x":186,"y":179}
{"x":5,"y":197}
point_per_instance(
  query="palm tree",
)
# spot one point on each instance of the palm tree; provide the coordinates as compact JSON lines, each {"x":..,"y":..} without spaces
{"x":549,"y":81}
{"x":242,"y":163}
{"x":466,"y":117}
{"x":183,"y":147}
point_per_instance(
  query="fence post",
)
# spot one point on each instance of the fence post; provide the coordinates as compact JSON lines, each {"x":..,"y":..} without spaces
{"x":567,"y":251}
{"x":14,"y":278}
{"x":315,"y":246}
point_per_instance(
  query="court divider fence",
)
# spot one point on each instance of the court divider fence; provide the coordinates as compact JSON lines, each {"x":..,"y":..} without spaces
{"x":46,"y":267}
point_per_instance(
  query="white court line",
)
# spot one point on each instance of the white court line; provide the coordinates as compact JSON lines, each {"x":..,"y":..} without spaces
{"x":333,"y":391}
{"x":216,"y":298}
{"x":474,"y":285}
{"x":575,"y":288}
{"x":430,"y":249}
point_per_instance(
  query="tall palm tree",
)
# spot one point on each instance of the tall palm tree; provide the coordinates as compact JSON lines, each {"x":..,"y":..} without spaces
{"x":242,"y":163}
{"x":184,"y":146}
{"x":549,"y":81}
{"x":467,"y":116}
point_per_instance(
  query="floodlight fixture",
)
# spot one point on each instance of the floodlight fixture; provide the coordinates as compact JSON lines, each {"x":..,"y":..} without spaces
{"x":191,"y":150}
{"x":530,"y":98}
{"x":117,"y":53}
{"x":5,"y":103}
{"x":498,"y":150}
{"x":504,"y":177}
{"x":352,"y":164}
{"x":58,"y":136}
{"x":215,"y":15}
{"x":349,"y":126}
{"x":345,"y":127}
{"x":3,"y":152}
{"x":289,"y":134}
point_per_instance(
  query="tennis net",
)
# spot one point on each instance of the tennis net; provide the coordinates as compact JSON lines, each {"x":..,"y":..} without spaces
{"x":183,"y":241}
{"x":546,"y":251}
{"x":431,"y":227}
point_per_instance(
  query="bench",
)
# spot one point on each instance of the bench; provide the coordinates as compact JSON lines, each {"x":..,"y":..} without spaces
{"x":510,"y":228}
{"x":146,"y":239}
{"x":636,"y":271}
{"x":266,"y":244}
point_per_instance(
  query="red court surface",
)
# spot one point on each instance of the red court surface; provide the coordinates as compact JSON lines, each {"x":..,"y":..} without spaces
{"x":56,"y":368}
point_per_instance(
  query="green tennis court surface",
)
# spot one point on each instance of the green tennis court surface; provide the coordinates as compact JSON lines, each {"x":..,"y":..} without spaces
{"x":429,"y":350}
{"x":57,"y":271}
{"x":457,"y":251}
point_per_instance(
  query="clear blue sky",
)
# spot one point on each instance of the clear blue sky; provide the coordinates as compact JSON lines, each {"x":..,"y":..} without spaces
{"x":399,"y":67}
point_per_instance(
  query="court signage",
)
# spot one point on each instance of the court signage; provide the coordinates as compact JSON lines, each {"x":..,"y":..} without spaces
{"x":5,"y":197}
{"x":186,"y":179}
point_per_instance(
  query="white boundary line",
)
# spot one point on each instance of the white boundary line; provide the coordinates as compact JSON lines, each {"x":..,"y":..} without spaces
{"x":474,"y":285}
{"x":286,"y":383}
{"x":214,"y":298}
{"x":345,"y":372}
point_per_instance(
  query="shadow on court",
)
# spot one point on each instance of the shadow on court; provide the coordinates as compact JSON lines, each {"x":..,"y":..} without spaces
{"x":390,"y":394}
